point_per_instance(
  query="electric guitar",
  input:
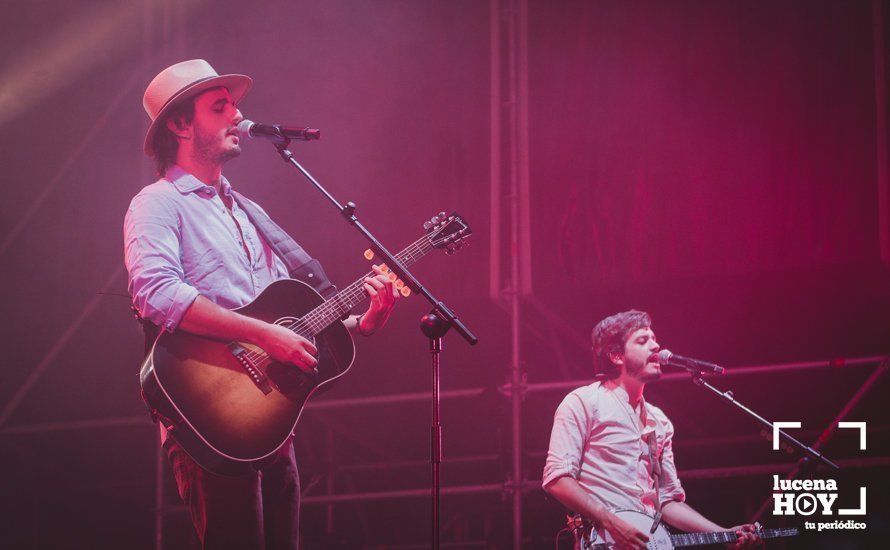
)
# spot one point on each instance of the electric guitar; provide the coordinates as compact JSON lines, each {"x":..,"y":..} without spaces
{"x":588,"y":538}
{"x":229,"y":404}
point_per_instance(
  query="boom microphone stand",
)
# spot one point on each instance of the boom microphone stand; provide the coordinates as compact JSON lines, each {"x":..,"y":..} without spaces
{"x":727,"y":396}
{"x":434,"y":325}
{"x":348,"y":212}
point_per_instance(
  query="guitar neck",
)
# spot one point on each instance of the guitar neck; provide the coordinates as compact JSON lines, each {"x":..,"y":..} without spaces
{"x":725,"y":537}
{"x":700,"y":539}
{"x":338,"y":306}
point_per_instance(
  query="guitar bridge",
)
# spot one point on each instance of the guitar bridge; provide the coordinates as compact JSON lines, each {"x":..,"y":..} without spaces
{"x":258,"y":377}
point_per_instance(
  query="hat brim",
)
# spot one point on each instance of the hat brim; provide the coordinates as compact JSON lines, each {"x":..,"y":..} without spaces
{"x":237,"y":84}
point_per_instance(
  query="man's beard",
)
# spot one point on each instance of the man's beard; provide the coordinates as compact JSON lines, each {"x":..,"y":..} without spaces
{"x":651,"y":377}
{"x":637,"y":372}
{"x":208,"y":151}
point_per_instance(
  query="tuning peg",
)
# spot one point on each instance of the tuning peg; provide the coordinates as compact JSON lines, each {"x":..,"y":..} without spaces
{"x":427,"y":225}
{"x":442,"y":215}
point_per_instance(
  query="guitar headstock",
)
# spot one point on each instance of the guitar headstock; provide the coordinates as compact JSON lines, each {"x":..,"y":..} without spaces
{"x":444,"y":231}
{"x":447,"y":231}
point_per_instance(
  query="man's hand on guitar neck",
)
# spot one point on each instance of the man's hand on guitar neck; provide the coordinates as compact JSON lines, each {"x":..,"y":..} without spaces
{"x":747,"y":534}
{"x":383,"y":295}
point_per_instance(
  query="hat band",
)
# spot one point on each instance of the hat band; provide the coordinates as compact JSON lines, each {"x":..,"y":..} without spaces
{"x":184,"y":88}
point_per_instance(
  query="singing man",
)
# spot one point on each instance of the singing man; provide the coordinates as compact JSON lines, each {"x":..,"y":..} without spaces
{"x":192,"y":254}
{"x":611,"y":450}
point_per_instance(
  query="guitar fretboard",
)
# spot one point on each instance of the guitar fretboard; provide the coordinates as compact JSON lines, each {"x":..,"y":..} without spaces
{"x":724,"y":537}
{"x":701,"y":539}
{"x":339,"y":305}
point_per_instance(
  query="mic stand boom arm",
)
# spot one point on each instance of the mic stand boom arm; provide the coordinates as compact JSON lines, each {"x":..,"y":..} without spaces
{"x":348,"y":212}
{"x":728,"y":397}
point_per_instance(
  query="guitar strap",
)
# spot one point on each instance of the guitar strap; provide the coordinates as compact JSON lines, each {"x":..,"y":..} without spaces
{"x":300,"y":265}
{"x":655,"y":461}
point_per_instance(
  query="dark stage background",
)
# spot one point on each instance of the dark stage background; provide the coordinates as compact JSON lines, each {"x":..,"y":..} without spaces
{"x":714,"y":163}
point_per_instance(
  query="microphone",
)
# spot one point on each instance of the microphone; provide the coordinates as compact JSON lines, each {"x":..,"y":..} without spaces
{"x":276,"y":132}
{"x":666,"y":357}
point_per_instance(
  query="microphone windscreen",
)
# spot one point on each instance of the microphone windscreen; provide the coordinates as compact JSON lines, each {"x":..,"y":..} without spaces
{"x":244,"y":128}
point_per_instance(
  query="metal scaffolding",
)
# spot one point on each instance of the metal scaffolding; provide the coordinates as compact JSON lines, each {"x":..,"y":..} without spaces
{"x":506,"y":488}
{"x":510,"y":280}
{"x":510,"y":216}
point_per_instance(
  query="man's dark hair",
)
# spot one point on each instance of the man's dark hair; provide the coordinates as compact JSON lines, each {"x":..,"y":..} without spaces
{"x":610,"y":335}
{"x":165,"y":145}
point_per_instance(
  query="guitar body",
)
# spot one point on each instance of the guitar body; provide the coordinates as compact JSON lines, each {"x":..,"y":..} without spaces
{"x":211,"y":400}
{"x":659,"y":540}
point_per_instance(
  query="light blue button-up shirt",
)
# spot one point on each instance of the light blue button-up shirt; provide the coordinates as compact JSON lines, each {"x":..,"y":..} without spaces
{"x":180,"y":241}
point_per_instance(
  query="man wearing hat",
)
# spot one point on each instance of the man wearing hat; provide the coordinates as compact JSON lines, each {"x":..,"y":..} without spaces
{"x":193,"y":253}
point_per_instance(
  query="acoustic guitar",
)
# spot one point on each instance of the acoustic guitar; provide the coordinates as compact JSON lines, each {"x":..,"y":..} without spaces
{"x":229,"y":404}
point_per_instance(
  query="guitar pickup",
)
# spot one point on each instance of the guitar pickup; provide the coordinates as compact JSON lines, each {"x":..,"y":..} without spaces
{"x":258,"y":377}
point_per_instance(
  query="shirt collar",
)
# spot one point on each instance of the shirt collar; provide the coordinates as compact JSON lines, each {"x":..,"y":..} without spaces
{"x":225,"y":186}
{"x":185,"y":182}
{"x":622,"y":394}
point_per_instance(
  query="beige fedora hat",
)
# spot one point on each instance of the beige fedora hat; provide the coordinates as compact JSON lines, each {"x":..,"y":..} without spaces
{"x":181,"y":81}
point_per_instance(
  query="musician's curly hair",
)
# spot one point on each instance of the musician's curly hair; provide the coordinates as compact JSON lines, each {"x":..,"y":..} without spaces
{"x":164,"y":144}
{"x":610,"y":335}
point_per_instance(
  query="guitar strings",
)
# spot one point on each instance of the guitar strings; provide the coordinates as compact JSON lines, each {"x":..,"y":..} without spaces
{"x":320,"y":317}
{"x":341,"y":303}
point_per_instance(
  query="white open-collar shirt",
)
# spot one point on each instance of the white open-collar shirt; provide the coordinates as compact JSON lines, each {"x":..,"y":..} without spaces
{"x":602,"y":443}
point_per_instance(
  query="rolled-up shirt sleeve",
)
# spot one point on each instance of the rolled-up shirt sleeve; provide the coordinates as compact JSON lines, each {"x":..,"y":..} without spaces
{"x":566,"y":441}
{"x":156,"y":280}
{"x":670,"y":488}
